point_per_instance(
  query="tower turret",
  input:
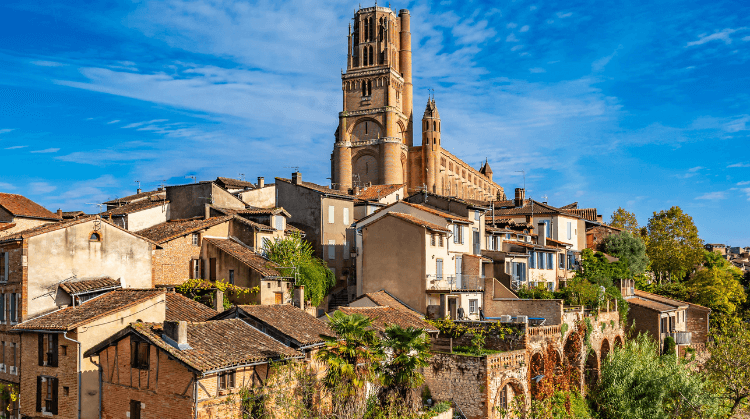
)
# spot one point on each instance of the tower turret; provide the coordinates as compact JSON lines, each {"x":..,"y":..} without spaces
{"x":486,"y":170}
{"x":431,"y":145}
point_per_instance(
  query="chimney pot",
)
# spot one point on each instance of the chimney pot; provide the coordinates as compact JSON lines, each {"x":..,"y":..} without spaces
{"x":219,"y":301}
{"x":59,"y":213}
{"x":177,"y":331}
{"x":261,"y":182}
{"x":138,"y":190}
{"x":297,"y":178}
{"x":520,"y":196}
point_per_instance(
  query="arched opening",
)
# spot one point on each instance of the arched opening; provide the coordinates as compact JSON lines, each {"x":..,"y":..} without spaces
{"x":510,"y":399}
{"x":572,"y":357}
{"x":367,"y":29}
{"x":364,"y":56}
{"x":95,"y":237}
{"x":372,"y":30}
{"x":434,"y":126}
{"x":605,"y":349}
{"x":365,"y":168}
{"x":372,"y":57}
{"x":618,"y":342}
{"x":592,"y":369}
{"x":536,"y":367}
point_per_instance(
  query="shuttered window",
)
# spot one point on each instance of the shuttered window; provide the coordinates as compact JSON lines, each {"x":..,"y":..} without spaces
{"x":346,"y":216}
{"x":331,"y":214}
{"x":331,"y":249}
{"x":4,"y":266}
{"x":570,"y":230}
{"x":550,"y":260}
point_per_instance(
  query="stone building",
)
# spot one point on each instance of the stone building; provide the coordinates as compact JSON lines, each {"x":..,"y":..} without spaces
{"x":375,"y":137}
{"x":18,"y":213}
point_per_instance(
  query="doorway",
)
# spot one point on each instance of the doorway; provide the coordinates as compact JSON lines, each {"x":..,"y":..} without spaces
{"x":452,"y":307}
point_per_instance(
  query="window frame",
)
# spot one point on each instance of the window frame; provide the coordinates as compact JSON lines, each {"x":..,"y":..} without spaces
{"x":346,"y":216}
{"x":137,"y":360}
{"x":331,"y":214}
{"x":227,"y":380}
{"x":195,"y":239}
{"x":331,"y":249}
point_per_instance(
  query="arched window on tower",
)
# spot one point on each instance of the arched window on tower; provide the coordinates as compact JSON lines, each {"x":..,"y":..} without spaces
{"x":367,"y":29}
{"x":372,"y":30}
{"x":372,"y":58}
{"x":369,"y":88}
{"x":364,"y":56}
{"x":381,"y":30}
{"x":434,"y":126}
{"x":364,"y":88}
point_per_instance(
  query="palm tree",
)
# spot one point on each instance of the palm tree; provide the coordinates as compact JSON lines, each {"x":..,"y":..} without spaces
{"x":407,"y":350}
{"x":349,"y":357}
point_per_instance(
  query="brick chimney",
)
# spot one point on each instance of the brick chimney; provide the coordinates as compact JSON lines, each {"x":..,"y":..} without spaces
{"x":177,"y":332}
{"x":541,"y":234}
{"x":59,"y":213}
{"x":219,"y":301}
{"x":261,"y":182}
{"x":520,"y":195}
{"x":297,"y":178}
{"x":299,"y":297}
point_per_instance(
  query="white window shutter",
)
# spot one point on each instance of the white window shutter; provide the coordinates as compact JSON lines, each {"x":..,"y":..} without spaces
{"x":331,"y":214}
{"x":331,"y":249}
{"x":346,"y":216}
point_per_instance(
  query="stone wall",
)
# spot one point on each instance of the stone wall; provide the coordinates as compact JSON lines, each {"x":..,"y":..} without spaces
{"x":549,"y":309}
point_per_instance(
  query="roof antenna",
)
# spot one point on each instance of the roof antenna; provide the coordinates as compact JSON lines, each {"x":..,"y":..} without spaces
{"x":195,"y":179}
{"x":139,"y":186}
{"x":97,"y":204}
{"x":242,"y":176}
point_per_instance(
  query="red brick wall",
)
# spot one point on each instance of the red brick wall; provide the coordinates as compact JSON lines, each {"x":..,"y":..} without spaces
{"x":647,"y":321}
{"x":697,"y":323}
{"x":172,"y":263}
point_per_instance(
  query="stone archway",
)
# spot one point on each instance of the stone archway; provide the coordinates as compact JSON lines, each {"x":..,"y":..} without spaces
{"x":572,"y":353}
{"x":510,"y":400}
{"x":536,"y":365}
{"x":592,"y":368}
{"x":605,"y":349}
{"x":365,"y":167}
{"x":618,"y":342}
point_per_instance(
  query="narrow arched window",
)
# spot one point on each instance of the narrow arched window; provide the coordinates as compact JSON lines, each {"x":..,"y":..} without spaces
{"x":364,"y":56}
{"x":364,"y":88}
{"x":372,"y":29}
{"x":369,"y":88}
{"x":95,"y":237}
{"x":438,"y":126}
{"x":367,"y":29}
{"x":372,"y":58}
{"x":434,"y":126}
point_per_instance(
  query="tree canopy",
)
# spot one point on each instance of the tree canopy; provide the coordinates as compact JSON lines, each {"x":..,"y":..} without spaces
{"x":673,"y":245}
{"x":625,"y":220}
{"x":630,"y":249}
{"x":297,"y":258}
{"x":729,"y":364}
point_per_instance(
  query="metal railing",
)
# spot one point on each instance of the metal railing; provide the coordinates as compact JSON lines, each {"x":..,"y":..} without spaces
{"x":682,"y":338}
{"x":455,"y":282}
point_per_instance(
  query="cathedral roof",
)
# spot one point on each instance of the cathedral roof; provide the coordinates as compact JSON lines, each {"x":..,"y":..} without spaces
{"x":431,"y":110}
{"x":485,"y":170}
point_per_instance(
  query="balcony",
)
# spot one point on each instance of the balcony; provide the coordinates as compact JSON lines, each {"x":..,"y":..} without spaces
{"x":460,"y":282}
{"x":682,"y":338}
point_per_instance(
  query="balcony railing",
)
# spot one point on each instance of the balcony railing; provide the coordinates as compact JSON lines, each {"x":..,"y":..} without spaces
{"x":682,"y":338}
{"x":455,"y":282}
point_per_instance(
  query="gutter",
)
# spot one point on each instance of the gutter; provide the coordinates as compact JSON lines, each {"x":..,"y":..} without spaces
{"x":65,"y":335}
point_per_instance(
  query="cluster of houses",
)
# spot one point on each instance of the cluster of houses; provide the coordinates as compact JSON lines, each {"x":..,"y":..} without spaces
{"x":738,"y":256}
{"x":91,"y":324}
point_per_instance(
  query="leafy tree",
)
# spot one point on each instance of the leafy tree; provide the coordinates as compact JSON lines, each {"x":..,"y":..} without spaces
{"x":597,"y":265}
{"x":716,"y":288}
{"x":350,"y":356}
{"x":297,"y":258}
{"x":673,"y":244}
{"x":625,"y":220}
{"x":729,"y":365}
{"x":630,"y":249}
{"x":406,"y":351}
{"x":638,"y":383}
{"x":540,"y":292}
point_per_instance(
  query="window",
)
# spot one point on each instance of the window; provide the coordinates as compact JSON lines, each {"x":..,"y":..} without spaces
{"x":547,"y":228}
{"x":4,"y":266}
{"x":13,"y":317}
{"x":196,"y":268}
{"x":663,"y":325}
{"x":532,"y":260}
{"x":364,"y":62}
{"x":473,"y":306}
{"x":226,"y":380}
{"x":477,"y":215}
{"x":95,"y":237}
{"x":507,"y":236}
{"x":440,"y":240}
{"x":432,"y":239}
{"x":458,"y":234}
{"x":346,"y":216}
{"x":135,"y":409}
{"x":231,"y":276}
{"x":331,"y":249}
{"x":139,"y":352}
{"x":398,"y":198}
{"x":550,"y":260}
{"x":13,"y":359}
{"x":2,"y":357}
{"x":279,"y":222}
{"x":346,"y":249}
{"x":196,"y":238}
{"x":2,"y":308}
{"x":48,"y":349}
{"x":540,"y":260}
{"x":570,"y":230}
{"x":331,"y":214}
{"x":562,"y":261}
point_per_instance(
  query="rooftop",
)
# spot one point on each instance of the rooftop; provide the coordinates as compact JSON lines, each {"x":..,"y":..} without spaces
{"x":86,"y":286}
{"x":229,"y":183}
{"x":384,"y":299}
{"x":136,"y":197}
{"x":318,"y":188}
{"x":248,"y":257}
{"x":170,"y":230}
{"x":143,"y":204}
{"x":416,"y":221}
{"x":382,"y":317}
{"x":20,"y":206}
{"x":181,"y":308}
{"x":290,"y":321}
{"x":254,"y":211}
{"x":375,"y":192}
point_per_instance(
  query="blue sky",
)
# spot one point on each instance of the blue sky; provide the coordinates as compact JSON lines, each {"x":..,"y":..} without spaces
{"x":638,"y":104}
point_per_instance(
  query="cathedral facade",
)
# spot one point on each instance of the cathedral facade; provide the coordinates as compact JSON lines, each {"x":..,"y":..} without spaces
{"x":375,"y":136}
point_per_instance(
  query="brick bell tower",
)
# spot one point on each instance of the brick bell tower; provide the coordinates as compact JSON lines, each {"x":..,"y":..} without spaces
{"x":375,"y":126}
{"x":431,"y":146}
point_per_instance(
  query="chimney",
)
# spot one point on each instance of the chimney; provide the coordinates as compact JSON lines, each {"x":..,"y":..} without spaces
{"x":541,"y":234}
{"x":599,"y":217}
{"x":177,"y":332}
{"x":297,"y":178}
{"x":299,"y":297}
{"x":355,"y":191}
{"x":261,"y":182}
{"x":59,"y":213}
{"x":520,"y":195}
{"x":219,"y":301}
{"x":138,"y":190}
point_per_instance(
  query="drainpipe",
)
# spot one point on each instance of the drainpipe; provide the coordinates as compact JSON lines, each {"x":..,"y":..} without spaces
{"x":100,"y":388}
{"x":65,"y":335}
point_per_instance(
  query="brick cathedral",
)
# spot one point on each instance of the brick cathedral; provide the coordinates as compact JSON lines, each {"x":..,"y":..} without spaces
{"x":375,"y":136}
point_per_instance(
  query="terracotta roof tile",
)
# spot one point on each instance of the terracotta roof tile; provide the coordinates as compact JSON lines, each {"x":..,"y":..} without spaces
{"x":385,"y":299}
{"x":169,"y":230}
{"x":181,"y":308}
{"x":382,"y":317}
{"x":229,"y":183}
{"x":105,"y":304}
{"x":653,"y":305}
{"x":243,"y":254}
{"x":574,"y":205}
{"x":414,"y":220}
{"x":20,"y":206}
{"x":85,"y":286}
{"x":375,"y":192}
{"x":6,"y":226}
{"x":439,"y":213}
{"x":253,"y":211}
{"x":136,"y":206}
{"x":319,"y":188}
{"x":218,"y":344}
{"x":290,"y":321}
{"x":136,"y":197}
{"x":67,"y":215}
{"x":660,"y":298}
{"x":585,"y":213}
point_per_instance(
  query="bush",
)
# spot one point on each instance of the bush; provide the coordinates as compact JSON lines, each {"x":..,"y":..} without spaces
{"x":670,"y":347}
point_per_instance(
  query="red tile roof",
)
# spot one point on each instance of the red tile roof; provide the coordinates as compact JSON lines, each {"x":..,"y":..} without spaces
{"x":252,"y":260}
{"x":20,"y":206}
{"x":375,"y":192}
{"x":171,"y":230}
{"x":253,"y":211}
{"x":319,"y":188}
{"x":229,"y":183}
{"x":385,"y":299}
{"x":414,"y":220}
{"x":585,"y":213}
{"x":382,"y":317}
{"x":290,"y":321}
{"x":136,"y":206}
{"x":6,"y":226}
{"x":136,"y":197}
{"x":218,"y":344}
{"x":181,"y":308}
{"x":69,"y":318}
{"x":85,"y":286}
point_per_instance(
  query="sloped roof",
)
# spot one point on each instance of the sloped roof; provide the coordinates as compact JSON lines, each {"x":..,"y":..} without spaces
{"x":253,"y":211}
{"x":382,"y":317}
{"x":659,"y":298}
{"x":651,"y":304}
{"x":85,"y":286}
{"x":290,"y":321}
{"x":375,"y":192}
{"x":574,"y":205}
{"x":136,"y":206}
{"x":136,"y":197}
{"x":243,"y":254}
{"x":181,"y":308}
{"x":46,"y":228}
{"x":20,"y":206}
{"x":585,"y":213}
{"x":416,"y":221}
{"x":446,"y":215}
{"x":229,"y":183}
{"x":72,"y":317}
{"x":218,"y":344}
{"x":318,"y":188}
{"x":385,"y":299}
{"x":170,"y":230}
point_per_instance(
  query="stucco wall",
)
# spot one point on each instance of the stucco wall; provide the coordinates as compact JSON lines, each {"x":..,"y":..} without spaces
{"x":264,"y":197}
{"x":149,"y":217}
{"x":67,"y":253}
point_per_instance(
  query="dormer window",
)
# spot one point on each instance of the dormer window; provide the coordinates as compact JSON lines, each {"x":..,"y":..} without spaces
{"x":95,"y":237}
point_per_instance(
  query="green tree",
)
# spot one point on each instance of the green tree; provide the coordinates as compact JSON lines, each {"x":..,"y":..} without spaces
{"x":716,"y":288}
{"x":406,"y":351}
{"x":637,"y":383}
{"x":297,"y":258}
{"x":350,"y":356}
{"x":630,"y":249}
{"x":673,"y":244}
{"x":625,"y":220}
{"x":729,"y":364}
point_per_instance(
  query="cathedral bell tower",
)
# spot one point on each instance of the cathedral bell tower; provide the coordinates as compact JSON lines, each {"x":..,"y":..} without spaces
{"x":431,"y":146}
{"x":375,"y":126}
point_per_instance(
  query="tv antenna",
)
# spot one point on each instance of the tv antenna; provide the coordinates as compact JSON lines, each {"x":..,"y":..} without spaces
{"x":100,"y":205}
{"x":296,"y":168}
{"x":195,"y":179}
{"x":242,"y":176}
{"x":139,"y":184}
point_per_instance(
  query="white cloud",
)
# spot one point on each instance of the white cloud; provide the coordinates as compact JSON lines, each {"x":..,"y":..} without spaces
{"x":524,"y":28}
{"x":747,"y":192}
{"x":516,"y":48}
{"x":6,"y":186}
{"x":599,"y":64}
{"x":722,"y":35}
{"x":511,"y":38}
{"x":747,"y":182}
{"x":562,"y":15}
{"x":41,"y":187}
{"x":532,"y":8}
{"x":713,"y":195}
{"x":739,"y":165}
{"x":6,"y":130}
{"x":511,"y":25}
{"x":47,"y":150}
{"x":113,"y":121}
{"x":16,"y":147}
{"x":47,"y":64}
{"x":537,"y":70}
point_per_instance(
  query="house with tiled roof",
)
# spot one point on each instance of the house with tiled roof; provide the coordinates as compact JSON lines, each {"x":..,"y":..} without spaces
{"x":56,"y":379}
{"x":157,"y":195}
{"x":19,"y":213}
{"x":385,"y":316}
{"x":272,"y":220}
{"x":326,"y":216}
{"x":181,"y":308}
{"x":195,"y":200}
{"x":383,"y":298}
{"x":185,"y":370}
{"x":234,"y":185}
{"x":140,"y":214}
{"x":370,"y":198}
{"x":263,"y":195}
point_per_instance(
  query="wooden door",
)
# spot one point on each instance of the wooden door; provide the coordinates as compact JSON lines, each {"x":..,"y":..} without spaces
{"x":212,"y":269}
{"x":278,"y":298}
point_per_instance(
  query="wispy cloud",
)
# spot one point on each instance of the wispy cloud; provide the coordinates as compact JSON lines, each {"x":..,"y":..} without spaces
{"x":537,"y":70}
{"x":739,"y":165}
{"x":747,"y":182}
{"x":524,"y":28}
{"x":41,"y":187}
{"x":747,"y":192}
{"x":47,"y":64}
{"x":562,"y":15}
{"x":6,"y":186}
{"x":511,"y":38}
{"x":6,"y":130}
{"x":723,"y":35}
{"x":47,"y":150}
{"x":693,"y":171}
{"x":114,"y":121}
{"x":713,"y":195}
{"x":16,"y":147}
